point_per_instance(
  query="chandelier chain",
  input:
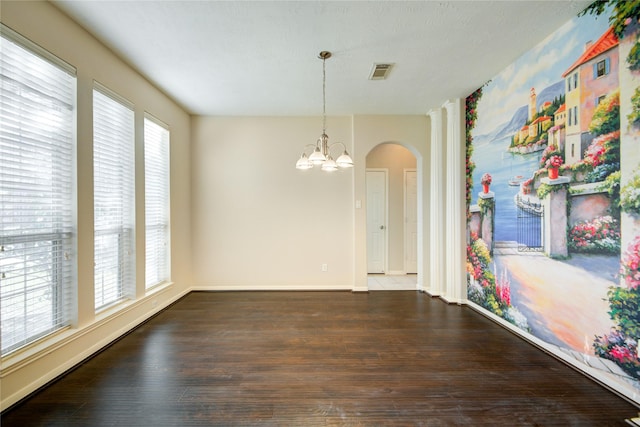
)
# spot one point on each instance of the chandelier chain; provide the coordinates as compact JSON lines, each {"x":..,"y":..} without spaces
{"x":324,"y":96}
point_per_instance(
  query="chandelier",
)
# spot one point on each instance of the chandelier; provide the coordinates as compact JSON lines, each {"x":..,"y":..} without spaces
{"x":321,"y":155}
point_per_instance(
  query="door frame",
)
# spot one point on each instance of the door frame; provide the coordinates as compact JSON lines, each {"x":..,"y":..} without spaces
{"x":386,"y":217}
{"x":405,"y":210}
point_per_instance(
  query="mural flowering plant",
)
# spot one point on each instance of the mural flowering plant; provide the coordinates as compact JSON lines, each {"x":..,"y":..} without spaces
{"x":602,"y":235}
{"x":604,"y":155}
{"x":630,"y":265}
{"x":621,"y":344}
{"x":594,"y":155}
{"x":606,"y":117}
{"x":470,"y":119}
{"x":619,"y":348}
{"x":630,"y":195}
{"x":486,"y":179}
{"x":527,"y":186}
{"x":549,"y":152}
{"x":554,"y":162}
{"x":605,"y":126}
{"x":478,"y":260}
{"x":487,"y":290}
{"x":601,"y":158}
{"x":503,"y":288}
{"x":634,"y":115}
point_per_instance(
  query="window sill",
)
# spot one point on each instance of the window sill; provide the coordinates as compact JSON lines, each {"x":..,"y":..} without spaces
{"x":58,"y":339}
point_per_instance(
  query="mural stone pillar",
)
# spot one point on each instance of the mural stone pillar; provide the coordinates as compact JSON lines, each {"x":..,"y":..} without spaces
{"x":555,"y":217}
{"x":475,"y":220}
{"x":487,"y":205}
{"x":437,"y":212}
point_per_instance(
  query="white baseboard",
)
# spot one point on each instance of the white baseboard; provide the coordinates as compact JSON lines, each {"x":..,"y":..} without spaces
{"x":396,"y":273}
{"x":449,"y":300}
{"x":254,"y":288}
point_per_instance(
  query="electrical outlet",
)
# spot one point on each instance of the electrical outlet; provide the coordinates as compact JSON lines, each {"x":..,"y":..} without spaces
{"x":325,"y":267}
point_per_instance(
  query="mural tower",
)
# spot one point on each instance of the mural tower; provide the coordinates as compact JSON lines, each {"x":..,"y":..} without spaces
{"x":532,"y":103}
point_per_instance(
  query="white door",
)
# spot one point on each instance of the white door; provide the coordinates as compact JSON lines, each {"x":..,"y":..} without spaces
{"x":410,"y":221}
{"x":376,"y":220}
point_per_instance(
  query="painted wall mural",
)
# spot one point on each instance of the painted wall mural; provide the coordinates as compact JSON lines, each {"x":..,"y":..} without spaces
{"x":553,"y":192}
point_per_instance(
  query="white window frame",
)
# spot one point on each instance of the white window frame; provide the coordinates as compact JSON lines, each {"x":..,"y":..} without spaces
{"x":157,"y":144}
{"x":114,"y":198}
{"x":38,"y":275}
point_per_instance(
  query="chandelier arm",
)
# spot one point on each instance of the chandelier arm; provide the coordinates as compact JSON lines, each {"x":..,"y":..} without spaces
{"x":309,"y":148}
{"x":344,"y":160}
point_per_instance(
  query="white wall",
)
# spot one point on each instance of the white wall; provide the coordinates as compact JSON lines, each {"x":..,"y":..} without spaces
{"x":411,"y":132}
{"x":27,"y":369}
{"x":258,"y":222}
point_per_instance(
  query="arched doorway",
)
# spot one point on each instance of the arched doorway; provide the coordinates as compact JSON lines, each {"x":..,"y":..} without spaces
{"x":392,"y":217}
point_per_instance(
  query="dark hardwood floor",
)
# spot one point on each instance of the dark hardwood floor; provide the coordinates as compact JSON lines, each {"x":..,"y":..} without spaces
{"x":321,"y":359}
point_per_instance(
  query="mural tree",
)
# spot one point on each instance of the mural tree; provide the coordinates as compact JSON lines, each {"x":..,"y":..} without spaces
{"x":604,"y":152}
{"x":623,"y":14}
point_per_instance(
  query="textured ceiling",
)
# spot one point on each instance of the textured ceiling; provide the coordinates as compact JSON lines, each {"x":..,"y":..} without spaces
{"x":260,"y":57}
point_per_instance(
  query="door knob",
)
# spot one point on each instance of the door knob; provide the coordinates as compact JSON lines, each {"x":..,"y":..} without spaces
{"x":382,"y":227}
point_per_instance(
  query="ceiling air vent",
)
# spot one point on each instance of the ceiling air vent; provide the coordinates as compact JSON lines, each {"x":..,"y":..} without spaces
{"x":380,"y":71}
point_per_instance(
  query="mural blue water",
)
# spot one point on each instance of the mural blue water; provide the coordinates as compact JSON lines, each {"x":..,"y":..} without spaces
{"x":494,"y":158}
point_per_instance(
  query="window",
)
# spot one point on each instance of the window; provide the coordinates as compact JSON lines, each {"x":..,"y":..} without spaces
{"x":572,"y":82}
{"x":570,"y":116}
{"x":156,"y":202}
{"x":575,"y":115}
{"x":113,"y":181}
{"x":600,"y":99}
{"x":601,"y":68}
{"x":37,"y":145}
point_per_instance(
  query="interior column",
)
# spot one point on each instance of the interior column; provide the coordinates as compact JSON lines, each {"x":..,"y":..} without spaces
{"x":455,"y":284}
{"x":437,"y":211}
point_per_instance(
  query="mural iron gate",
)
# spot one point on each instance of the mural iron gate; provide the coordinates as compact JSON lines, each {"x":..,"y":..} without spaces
{"x":530,"y":229}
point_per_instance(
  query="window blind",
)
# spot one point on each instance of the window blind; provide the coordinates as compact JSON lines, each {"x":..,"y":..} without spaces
{"x":114,"y":204}
{"x":37,"y":144}
{"x":156,"y":202}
